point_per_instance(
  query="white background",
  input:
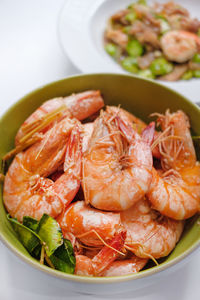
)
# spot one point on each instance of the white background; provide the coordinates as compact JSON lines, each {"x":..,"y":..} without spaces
{"x":30,"y":56}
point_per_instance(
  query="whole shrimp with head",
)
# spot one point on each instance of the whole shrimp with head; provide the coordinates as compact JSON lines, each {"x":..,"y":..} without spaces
{"x":175,"y":188}
{"x":117,"y":165}
{"x":99,"y":235}
{"x":28,"y":191}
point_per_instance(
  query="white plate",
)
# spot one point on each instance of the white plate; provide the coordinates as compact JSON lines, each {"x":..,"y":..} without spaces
{"x":81,"y":26}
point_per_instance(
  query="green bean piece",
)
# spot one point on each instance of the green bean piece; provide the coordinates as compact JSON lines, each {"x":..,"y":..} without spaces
{"x":187,"y":75}
{"x":134,"y":48}
{"x":198,"y":32}
{"x":164,"y":25}
{"x":160,"y":66}
{"x":126,"y":29}
{"x":196,"y":58}
{"x":146,"y":74}
{"x":130,"y":64}
{"x":131,"y":17}
{"x":131,"y":6}
{"x":142,"y":2}
{"x":111,"y":49}
{"x":196,"y":73}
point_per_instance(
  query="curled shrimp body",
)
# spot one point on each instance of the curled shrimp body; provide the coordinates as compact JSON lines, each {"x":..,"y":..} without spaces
{"x":84,"y":266}
{"x":104,"y":258}
{"x":125,"y":267}
{"x":149,"y":234}
{"x":176,"y":147}
{"x":28,"y":191}
{"x":88,"y":224}
{"x":180,"y":46}
{"x":117,"y":166}
{"x":176,"y":195}
{"x":175,"y":190}
{"x":79,"y":106}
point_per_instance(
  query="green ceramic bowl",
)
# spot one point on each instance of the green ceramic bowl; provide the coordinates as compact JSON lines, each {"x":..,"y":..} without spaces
{"x":139,"y":96}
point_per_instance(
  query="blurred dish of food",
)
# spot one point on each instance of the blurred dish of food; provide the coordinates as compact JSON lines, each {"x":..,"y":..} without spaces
{"x":155,"y":41}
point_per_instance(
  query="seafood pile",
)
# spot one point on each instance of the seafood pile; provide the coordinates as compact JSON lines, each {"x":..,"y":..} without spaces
{"x":98,"y":192}
{"x":158,"y":41}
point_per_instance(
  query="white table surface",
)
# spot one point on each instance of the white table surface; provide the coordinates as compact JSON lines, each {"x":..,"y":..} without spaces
{"x":30,"y":56}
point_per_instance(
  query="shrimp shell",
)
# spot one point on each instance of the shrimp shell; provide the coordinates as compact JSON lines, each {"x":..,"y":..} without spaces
{"x":147,"y":234}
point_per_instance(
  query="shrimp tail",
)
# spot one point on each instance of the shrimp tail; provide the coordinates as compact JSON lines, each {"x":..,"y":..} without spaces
{"x":126,"y":129}
{"x":107,"y":255}
{"x":148,"y":133}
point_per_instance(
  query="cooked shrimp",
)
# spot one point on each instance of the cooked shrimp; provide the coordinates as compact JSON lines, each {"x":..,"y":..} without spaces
{"x":125,"y":267}
{"x":175,"y":190}
{"x":86,"y":133}
{"x":28,"y":191}
{"x":176,"y":194}
{"x":105,"y":257}
{"x":148,"y":233}
{"x":84,"y":266}
{"x":127,"y":117}
{"x":180,"y":46}
{"x":118,"y":37}
{"x":89,"y":225}
{"x":79,"y":106}
{"x":176,"y":146}
{"x":140,"y":126}
{"x":117,"y":166}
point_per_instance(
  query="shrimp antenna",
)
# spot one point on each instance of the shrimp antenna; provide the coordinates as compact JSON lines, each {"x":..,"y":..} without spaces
{"x":140,"y":246}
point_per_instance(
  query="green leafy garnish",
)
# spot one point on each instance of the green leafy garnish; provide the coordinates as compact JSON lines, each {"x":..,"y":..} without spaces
{"x":50,"y":233}
{"x":31,"y":223}
{"x":28,"y":238}
{"x":63,"y":258}
{"x":44,"y":239}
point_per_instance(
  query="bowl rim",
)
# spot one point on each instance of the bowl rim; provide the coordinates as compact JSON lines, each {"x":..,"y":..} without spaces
{"x":97,"y":280}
